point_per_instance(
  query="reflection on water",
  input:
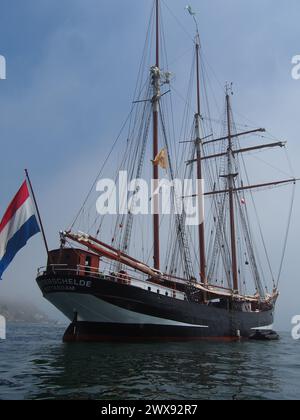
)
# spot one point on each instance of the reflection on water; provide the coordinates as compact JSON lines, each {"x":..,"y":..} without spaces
{"x":35,"y":364}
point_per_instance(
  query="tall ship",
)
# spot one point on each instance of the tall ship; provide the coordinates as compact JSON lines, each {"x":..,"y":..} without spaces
{"x":130,"y":276}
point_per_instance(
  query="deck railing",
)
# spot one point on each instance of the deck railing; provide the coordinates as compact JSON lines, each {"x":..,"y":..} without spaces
{"x":128,"y":278}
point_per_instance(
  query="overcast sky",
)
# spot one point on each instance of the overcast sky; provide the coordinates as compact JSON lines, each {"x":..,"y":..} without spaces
{"x":71,"y":72}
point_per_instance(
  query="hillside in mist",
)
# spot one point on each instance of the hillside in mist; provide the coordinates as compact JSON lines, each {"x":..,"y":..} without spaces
{"x":22,"y":312}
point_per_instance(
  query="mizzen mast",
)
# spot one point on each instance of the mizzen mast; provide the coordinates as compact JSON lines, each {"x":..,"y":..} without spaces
{"x":155,"y":74}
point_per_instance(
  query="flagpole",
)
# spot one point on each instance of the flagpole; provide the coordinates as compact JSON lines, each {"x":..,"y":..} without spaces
{"x":38,"y":213}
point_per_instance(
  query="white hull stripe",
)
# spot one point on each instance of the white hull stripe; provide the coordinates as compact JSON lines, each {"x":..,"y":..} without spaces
{"x":267,"y":327}
{"x":91,"y":309}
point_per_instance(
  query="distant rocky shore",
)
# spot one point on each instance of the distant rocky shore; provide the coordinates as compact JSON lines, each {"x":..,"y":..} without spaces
{"x":23,"y":312}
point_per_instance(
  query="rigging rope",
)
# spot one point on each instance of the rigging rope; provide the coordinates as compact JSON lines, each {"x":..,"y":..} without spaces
{"x":138,"y":88}
{"x":101,"y":170}
{"x":287,"y":235}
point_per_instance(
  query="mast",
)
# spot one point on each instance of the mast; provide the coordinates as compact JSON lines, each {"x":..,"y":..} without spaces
{"x":155,"y":73}
{"x":201,"y":232}
{"x":231,"y":177}
{"x":157,"y":34}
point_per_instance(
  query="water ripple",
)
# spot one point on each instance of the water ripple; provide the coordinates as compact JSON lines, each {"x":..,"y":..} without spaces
{"x":34,"y":364}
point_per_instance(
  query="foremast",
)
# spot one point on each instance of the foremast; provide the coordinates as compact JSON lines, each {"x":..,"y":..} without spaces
{"x":233,"y":189}
{"x":231,"y":176}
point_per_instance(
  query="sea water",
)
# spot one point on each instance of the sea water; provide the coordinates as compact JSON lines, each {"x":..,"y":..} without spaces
{"x":35,"y":364}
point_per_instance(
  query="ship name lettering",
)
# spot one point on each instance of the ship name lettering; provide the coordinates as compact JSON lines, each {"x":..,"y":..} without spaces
{"x":67,"y":282}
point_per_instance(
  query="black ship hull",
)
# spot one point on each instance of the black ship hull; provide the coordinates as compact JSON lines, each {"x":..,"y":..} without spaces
{"x":103,"y":310}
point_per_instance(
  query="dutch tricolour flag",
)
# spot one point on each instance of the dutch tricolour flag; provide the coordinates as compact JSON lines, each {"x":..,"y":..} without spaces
{"x":18,"y":225}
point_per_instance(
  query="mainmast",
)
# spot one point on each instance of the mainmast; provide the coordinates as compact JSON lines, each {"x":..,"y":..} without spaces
{"x":199,"y":164}
{"x":155,"y":73}
{"x":231,"y":176}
